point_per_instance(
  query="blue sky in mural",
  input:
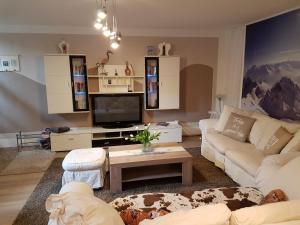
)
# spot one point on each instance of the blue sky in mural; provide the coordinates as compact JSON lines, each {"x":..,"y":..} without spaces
{"x":273,"y":40}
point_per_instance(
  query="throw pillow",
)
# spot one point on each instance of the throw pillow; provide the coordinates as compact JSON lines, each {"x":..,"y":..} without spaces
{"x":277,"y":141}
{"x":293,"y":145}
{"x":238,"y":127}
{"x":227,"y":110}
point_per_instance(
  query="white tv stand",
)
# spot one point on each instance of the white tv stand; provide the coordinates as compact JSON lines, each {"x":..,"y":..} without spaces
{"x":88,"y":137}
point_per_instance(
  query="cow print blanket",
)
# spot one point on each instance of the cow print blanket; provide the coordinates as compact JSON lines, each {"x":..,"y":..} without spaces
{"x":235,"y":198}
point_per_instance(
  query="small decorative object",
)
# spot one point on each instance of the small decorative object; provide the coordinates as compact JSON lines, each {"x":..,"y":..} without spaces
{"x":9,"y":63}
{"x":168,"y":48}
{"x":116,"y":72}
{"x":64,"y":47}
{"x":127,"y":69}
{"x":109,"y":81}
{"x":132,"y":70}
{"x":164,"y":49}
{"x":103,"y":62}
{"x":150,"y":50}
{"x":145,"y":137}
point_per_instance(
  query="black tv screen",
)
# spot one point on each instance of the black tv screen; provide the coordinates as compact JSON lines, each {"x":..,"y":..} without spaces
{"x":117,"y":110}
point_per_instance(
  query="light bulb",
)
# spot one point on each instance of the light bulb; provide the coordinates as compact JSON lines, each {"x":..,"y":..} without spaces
{"x":112,"y":35}
{"x":106,"y":33}
{"x":114,"y":44}
{"x":101,"y":14}
{"x":98,"y":25}
{"x":98,"y":20}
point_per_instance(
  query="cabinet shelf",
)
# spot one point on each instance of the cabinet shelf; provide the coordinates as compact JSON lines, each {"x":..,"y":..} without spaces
{"x":128,"y":77}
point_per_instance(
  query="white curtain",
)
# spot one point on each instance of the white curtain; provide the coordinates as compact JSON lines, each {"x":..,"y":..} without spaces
{"x":230,"y":65}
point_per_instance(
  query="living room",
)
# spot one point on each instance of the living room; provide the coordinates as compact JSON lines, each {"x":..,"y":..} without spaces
{"x":142,"y":112}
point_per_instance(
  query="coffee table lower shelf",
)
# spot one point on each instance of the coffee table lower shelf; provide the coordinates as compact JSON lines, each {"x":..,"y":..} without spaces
{"x":151,"y":172}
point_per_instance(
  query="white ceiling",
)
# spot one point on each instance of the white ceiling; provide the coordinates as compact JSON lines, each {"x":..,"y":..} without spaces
{"x":139,"y":14}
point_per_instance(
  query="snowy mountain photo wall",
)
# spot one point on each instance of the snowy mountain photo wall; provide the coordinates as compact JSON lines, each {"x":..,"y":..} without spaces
{"x":271,"y":81}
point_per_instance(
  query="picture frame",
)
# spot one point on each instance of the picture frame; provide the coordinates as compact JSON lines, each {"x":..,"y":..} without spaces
{"x":9,"y":63}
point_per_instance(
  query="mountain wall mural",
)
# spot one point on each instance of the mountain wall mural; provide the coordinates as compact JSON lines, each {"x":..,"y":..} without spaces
{"x":271,"y":83}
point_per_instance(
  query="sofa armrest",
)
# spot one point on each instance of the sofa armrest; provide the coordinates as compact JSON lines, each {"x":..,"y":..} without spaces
{"x":207,"y":124}
{"x":77,"y":187}
{"x":270,"y":165}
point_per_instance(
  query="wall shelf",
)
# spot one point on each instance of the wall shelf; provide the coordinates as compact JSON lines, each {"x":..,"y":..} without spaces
{"x":99,"y":84}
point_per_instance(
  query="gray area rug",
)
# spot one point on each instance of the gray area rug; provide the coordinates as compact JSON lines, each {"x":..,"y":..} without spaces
{"x":205,"y":175}
{"x":22,"y":163}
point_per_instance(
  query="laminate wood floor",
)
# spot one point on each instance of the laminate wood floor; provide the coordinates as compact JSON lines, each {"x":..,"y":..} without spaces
{"x":16,"y":189}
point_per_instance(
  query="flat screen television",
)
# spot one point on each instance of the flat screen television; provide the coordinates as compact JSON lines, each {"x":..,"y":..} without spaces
{"x":117,"y":110}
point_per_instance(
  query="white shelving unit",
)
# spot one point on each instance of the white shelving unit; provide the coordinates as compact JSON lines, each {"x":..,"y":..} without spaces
{"x":87,"y":137}
{"x":111,"y":83}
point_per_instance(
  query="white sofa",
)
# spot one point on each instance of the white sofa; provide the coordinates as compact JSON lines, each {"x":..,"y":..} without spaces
{"x":243,"y":161}
{"x":76,"y":205}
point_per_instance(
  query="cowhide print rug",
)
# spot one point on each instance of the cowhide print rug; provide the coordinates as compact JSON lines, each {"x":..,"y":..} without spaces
{"x":235,"y":198}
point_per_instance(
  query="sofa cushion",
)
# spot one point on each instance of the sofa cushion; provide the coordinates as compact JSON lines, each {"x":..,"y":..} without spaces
{"x":238,"y":127}
{"x":287,"y":179}
{"x":264,"y":127}
{"x":227,"y":110}
{"x":248,"y":158}
{"x":293,"y":145}
{"x":222,"y":143}
{"x":217,"y":214}
{"x":277,"y":141}
{"x":267,"y":214}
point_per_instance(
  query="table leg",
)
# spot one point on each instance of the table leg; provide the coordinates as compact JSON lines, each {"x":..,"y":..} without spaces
{"x":187,"y":172}
{"x":115,"y":179}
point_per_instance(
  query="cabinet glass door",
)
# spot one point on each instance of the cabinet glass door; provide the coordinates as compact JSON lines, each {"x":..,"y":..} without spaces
{"x":152,"y":79}
{"x":79,"y":83}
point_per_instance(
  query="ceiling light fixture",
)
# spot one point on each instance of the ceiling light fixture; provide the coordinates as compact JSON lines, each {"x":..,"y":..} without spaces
{"x":107,"y":14}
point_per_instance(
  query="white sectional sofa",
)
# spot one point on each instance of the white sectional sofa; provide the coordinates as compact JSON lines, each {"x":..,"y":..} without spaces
{"x":243,"y":161}
{"x":76,"y":204}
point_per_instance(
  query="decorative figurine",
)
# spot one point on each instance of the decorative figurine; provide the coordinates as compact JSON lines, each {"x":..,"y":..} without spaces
{"x":64,"y":47}
{"x":150,"y":50}
{"x":127,"y":69}
{"x":102,"y":63}
{"x":164,"y":49}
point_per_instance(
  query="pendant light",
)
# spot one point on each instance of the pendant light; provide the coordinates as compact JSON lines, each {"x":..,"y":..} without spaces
{"x":106,"y":14}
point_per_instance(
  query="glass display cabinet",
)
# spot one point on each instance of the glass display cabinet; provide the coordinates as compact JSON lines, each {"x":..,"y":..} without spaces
{"x":79,"y":83}
{"x":152,"y":82}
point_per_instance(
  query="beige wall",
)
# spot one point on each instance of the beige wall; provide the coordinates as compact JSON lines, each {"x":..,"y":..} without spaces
{"x":22,"y":95}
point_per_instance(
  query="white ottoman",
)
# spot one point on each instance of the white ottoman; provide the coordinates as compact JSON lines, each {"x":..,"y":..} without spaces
{"x":85,"y":165}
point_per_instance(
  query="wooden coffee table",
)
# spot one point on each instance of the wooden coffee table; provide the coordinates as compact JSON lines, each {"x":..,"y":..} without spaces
{"x":128,"y":163}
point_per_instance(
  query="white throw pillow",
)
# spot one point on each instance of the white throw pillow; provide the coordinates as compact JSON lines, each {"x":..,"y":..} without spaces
{"x":293,"y":145}
{"x":79,"y":208}
{"x":218,"y":214}
{"x":269,"y":213}
{"x":287,"y":178}
{"x":227,"y":110}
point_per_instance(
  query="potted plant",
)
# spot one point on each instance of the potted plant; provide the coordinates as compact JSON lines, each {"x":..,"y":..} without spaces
{"x":145,"y":137}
